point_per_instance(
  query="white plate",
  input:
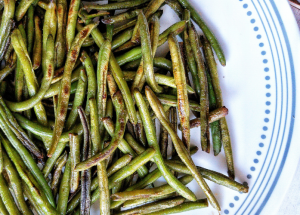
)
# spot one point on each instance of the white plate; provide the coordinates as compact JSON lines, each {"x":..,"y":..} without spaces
{"x":260,"y":39}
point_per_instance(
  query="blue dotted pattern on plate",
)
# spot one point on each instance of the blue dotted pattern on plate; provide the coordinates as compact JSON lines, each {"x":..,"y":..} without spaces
{"x":268,"y":103}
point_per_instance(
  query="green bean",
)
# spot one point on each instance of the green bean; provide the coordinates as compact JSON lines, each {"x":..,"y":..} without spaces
{"x":3,"y":208}
{"x":101,"y":167}
{"x":64,"y":94}
{"x":219,"y":102}
{"x":125,"y":46}
{"x":141,"y":135}
{"x":121,"y":17}
{"x":204,"y":101}
{"x":164,"y":139}
{"x":37,"y":46}
{"x":152,"y":7}
{"x":180,"y":148}
{"x":85,"y":16}
{"x":136,"y":53}
{"x":5,"y":47}
{"x":19,"y":74}
{"x":187,"y":206}
{"x":60,"y":43}
{"x":213,"y":176}
{"x":152,"y":192}
{"x":142,"y":201}
{"x":30,"y":29}
{"x":121,"y":38}
{"x":160,"y":79}
{"x":8,"y":14}
{"x":49,"y":27}
{"x":151,"y":137}
{"x":31,"y":81}
{"x":22,"y":8}
{"x":35,"y":208}
{"x":125,"y":26}
{"x":46,"y":82}
{"x":121,"y":162}
{"x":207,"y":32}
{"x":14,"y":181}
{"x":147,"y":53}
{"x":75,"y":159}
{"x":64,"y":189}
{"x":37,"y":190}
{"x":117,"y":187}
{"x":117,"y":5}
{"x":132,"y":166}
{"x":78,"y":100}
{"x":118,"y":135}
{"x":156,"y":206}
{"x":85,"y":198}
{"x":102,"y":67}
{"x":180,"y":80}
{"x":88,"y":42}
{"x":154,"y":32}
{"x":60,"y":163}
{"x":71,"y":23}
{"x":7,"y":197}
{"x":123,"y":145}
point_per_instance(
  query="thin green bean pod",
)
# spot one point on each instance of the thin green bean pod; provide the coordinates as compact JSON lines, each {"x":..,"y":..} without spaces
{"x":152,"y":207}
{"x":75,"y":159}
{"x":8,"y":14}
{"x":64,"y":189}
{"x":182,"y":97}
{"x":30,"y":29}
{"x":71,"y":23}
{"x":151,"y":192}
{"x":7,"y":197}
{"x":3,"y":208}
{"x":60,"y":43}
{"x":60,"y":163}
{"x":37,"y":46}
{"x":120,"y":163}
{"x":121,"y":39}
{"x":187,"y":206}
{"x":64,"y":94}
{"x":78,"y":99}
{"x":121,"y":17}
{"x":151,"y":137}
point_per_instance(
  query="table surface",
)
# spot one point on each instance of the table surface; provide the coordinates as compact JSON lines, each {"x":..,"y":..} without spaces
{"x":291,"y":203}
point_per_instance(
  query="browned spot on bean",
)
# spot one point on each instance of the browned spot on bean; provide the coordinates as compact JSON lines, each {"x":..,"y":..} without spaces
{"x":49,"y":70}
{"x":66,"y":89}
{"x":84,"y":32}
{"x":74,"y":54}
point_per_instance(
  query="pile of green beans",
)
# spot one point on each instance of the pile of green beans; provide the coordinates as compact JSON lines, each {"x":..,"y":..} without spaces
{"x":80,"y":100}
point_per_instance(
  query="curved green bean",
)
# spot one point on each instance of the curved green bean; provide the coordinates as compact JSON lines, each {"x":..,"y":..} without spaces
{"x":121,"y":39}
{"x":46,"y":82}
{"x":22,"y":8}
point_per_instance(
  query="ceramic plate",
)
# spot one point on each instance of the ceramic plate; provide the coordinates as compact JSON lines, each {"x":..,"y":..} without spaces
{"x":260,"y":39}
